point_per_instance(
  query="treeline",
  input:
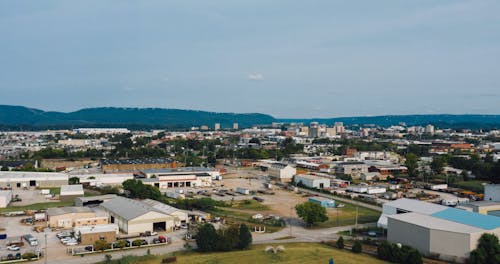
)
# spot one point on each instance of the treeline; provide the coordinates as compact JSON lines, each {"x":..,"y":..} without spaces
{"x":233,"y":237}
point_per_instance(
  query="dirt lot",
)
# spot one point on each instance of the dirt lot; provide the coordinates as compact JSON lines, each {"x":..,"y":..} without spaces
{"x":30,"y":196}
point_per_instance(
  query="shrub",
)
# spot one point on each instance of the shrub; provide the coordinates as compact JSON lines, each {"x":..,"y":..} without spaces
{"x":29,"y":255}
{"x":137,"y":243}
{"x":101,"y":245}
{"x":357,"y":247}
{"x":340,"y":243}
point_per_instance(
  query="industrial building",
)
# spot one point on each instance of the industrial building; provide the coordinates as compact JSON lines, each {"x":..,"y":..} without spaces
{"x":28,"y":179}
{"x":69,"y":217}
{"x":180,"y":216}
{"x":482,"y":207}
{"x":179,"y":177}
{"x":104,"y":179}
{"x":134,"y":217}
{"x":449,"y":233}
{"x":325,"y":202}
{"x":109,"y":165}
{"x":5,"y":198}
{"x":87,"y":235}
{"x":281,"y":172}
{"x":70,"y":192}
{"x":312,"y":181}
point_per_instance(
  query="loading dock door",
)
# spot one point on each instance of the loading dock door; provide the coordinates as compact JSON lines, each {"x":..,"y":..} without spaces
{"x":159,"y":226}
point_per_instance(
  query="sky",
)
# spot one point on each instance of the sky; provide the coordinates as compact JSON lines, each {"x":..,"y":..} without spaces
{"x":286,"y":58}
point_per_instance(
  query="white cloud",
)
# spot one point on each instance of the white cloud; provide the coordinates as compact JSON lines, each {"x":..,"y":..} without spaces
{"x":255,"y":77}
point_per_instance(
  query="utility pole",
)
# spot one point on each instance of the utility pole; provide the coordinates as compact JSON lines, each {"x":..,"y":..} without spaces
{"x":46,"y":256}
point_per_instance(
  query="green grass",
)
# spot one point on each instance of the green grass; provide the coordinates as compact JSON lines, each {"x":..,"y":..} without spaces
{"x":53,"y":190}
{"x":284,"y":238}
{"x":240,"y":217}
{"x":347,"y":216}
{"x":37,"y":206}
{"x":295,"y":253}
{"x":472,"y":185}
{"x":250,"y":205}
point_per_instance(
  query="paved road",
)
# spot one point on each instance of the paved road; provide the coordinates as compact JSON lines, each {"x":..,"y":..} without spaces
{"x":345,"y":200}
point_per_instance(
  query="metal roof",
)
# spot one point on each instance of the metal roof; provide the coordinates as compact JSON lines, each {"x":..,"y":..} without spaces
{"x":417,"y":206}
{"x":179,"y":170}
{"x":75,"y":189}
{"x":128,"y":208}
{"x":431,"y":222}
{"x":97,"y":197}
{"x":68,"y":210}
{"x":165,"y":208}
{"x":469,"y":218}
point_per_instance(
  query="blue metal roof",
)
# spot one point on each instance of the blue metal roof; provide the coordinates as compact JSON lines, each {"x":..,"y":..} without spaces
{"x":469,"y":218}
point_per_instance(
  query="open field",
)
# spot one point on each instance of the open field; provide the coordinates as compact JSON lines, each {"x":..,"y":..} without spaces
{"x":36,"y":206}
{"x":233,"y":216}
{"x":300,"y":253}
{"x":250,"y":205}
{"x":347,"y":216}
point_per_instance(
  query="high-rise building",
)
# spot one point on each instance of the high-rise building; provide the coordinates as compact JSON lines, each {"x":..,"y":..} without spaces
{"x":235,"y":126}
{"x":339,"y":127}
{"x":429,"y":129}
{"x":217,"y":126}
{"x":313,"y":130}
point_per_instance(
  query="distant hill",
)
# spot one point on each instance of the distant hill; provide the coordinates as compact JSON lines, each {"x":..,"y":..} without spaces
{"x":448,"y":121}
{"x":20,"y":117}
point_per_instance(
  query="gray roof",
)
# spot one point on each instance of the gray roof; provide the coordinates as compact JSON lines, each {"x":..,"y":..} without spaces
{"x":128,"y":208}
{"x":68,"y":210}
{"x":417,"y":206}
{"x":180,"y":170}
{"x":71,"y":189}
{"x":137,"y":161}
{"x":165,"y":208}
{"x":431,"y":222}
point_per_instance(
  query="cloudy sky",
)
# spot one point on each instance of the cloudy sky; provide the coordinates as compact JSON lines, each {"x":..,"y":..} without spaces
{"x":287,"y":58}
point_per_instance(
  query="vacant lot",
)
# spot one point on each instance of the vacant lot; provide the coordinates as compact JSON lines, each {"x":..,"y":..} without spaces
{"x":300,"y":253}
{"x":347,"y":216}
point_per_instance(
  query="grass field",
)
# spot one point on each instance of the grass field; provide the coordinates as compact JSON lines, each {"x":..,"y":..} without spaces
{"x":241,"y":217}
{"x":250,"y":205}
{"x":295,"y":253}
{"x":347,"y":216}
{"x":472,"y":185}
{"x":37,"y":206}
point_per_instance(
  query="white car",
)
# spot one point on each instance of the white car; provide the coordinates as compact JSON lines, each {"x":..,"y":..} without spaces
{"x":13,"y":248}
{"x":71,"y":243}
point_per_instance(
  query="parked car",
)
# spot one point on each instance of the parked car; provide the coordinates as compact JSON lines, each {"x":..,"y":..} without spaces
{"x":13,"y":248}
{"x":89,"y":248}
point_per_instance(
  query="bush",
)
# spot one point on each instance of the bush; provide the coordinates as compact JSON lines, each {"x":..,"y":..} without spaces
{"x":29,"y":255}
{"x":137,"y":243}
{"x":396,"y":254}
{"x":357,"y":247}
{"x":233,"y":237}
{"x":340,"y":243}
{"x":101,"y":245}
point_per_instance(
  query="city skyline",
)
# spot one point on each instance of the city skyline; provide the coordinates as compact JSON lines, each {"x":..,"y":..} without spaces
{"x":285,"y":58}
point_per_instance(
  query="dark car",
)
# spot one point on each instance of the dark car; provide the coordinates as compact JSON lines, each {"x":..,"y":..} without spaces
{"x":89,"y":248}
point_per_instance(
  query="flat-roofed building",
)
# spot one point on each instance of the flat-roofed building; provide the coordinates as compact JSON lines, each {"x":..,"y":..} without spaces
{"x":87,"y":235}
{"x":70,"y":192}
{"x":104,"y":179}
{"x":405,"y":205}
{"x":180,"y":177}
{"x":312,"y":181}
{"x":28,"y":179}
{"x":110,"y":165}
{"x":68,"y":217}
{"x":93,"y":200}
{"x":281,"y":172}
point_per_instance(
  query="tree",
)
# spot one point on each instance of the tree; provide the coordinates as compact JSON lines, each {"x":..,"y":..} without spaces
{"x":437,"y":164}
{"x":101,"y":245}
{"x":357,"y":247}
{"x":340,"y":243}
{"x":245,"y":237}
{"x":74,"y":180}
{"x":311,"y":212}
{"x":207,"y":238}
{"x":412,"y":164}
{"x":487,"y":251}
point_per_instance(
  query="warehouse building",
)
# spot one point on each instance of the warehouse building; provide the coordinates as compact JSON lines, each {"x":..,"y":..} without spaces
{"x":179,"y":177}
{"x":27,"y":179}
{"x":281,"y":172}
{"x":87,"y":235}
{"x":482,"y":207}
{"x":108,"y":165}
{"x":134,"y":217}
{"x":69,"y":217}
{"x":405,"y":205}
{"x":5,"y":197}
{"x":104,"y":179}
{"x":70,"y":192}
{"x":312,"y":181}
{"x":492,"y":192}
{"x":450,"y":234}
{"x":180,"y":216}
